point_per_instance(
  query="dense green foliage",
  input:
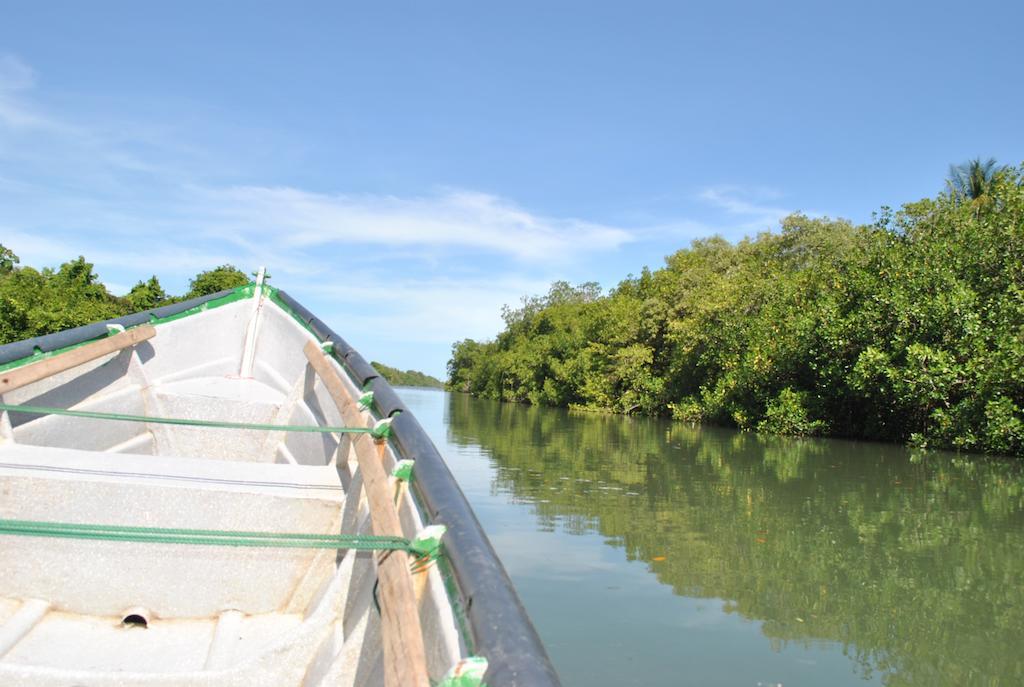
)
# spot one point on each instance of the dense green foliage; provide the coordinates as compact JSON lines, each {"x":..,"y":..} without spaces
{"x":36,"y":302}
{"x":910,"y":329}
{"x":148,"y":294}
{"x":910,"y":560}
{"x":398,"y":377}
{"x":218,"y":279}
{"x":7,"y":260}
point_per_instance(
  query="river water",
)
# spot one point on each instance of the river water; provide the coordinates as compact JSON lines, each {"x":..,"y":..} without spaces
{"x":649,"y":552}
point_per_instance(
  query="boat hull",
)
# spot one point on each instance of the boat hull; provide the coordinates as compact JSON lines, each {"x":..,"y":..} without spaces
{"x":81,"y":611}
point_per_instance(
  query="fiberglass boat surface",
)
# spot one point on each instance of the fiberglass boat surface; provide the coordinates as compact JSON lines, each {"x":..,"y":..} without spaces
{"x":136,"y":550}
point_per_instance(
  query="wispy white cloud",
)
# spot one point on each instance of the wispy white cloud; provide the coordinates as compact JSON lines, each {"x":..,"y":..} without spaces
{"x":453,"y":218}
{"x":15,"y":75}
{"x":730,"y":210}
{"x":102,"y":181}
{"x":409,"y":274}
{"x":17,"y":112}
{"x":141,"y":255}
{"x":750,"y":209}
{"x":432,"y":307}
{"x":137,"y":198}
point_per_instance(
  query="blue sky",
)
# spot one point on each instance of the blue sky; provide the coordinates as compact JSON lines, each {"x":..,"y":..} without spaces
{"x":407,"y":168}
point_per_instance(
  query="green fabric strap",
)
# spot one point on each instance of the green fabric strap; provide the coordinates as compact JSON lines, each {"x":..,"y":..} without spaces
{"x":45,"y":410}
{"x":163,"y":535}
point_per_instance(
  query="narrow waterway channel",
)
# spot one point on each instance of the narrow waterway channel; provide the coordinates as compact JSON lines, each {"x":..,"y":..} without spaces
{"x":649,"y":552}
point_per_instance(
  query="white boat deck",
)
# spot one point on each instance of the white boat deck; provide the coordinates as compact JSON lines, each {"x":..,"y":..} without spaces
{"x":214,"y":615}
{"x":164,"y":646}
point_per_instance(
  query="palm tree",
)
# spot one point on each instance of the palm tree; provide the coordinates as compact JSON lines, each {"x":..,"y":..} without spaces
{"x":972,"y":180}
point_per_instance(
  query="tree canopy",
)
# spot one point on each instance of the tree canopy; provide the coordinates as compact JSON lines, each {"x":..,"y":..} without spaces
{"x":407,"y":377}
{"x":147,"y":294}
{"x":34,"y":302}
{"x":910,"y":329}
{"x":7,"y":259}
{"x":217,"y":279}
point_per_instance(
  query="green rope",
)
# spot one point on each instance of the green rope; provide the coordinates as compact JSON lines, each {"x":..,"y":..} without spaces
{"x":45,"y":410}
{"x":164,"y":535}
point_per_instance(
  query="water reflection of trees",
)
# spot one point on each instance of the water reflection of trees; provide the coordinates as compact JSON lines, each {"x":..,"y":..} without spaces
{"x":914,"y":565}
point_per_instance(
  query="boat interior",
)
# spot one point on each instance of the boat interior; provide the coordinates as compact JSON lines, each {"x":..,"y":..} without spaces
{"x":93,"y":612}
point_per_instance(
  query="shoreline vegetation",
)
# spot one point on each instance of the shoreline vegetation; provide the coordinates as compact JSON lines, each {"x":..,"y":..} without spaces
{"x":37,"y":302}
{"x":909,"y":329}
{"x":396,"y":377}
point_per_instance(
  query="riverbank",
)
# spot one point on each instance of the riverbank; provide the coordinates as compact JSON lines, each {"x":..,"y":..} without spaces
{"x":908,"y":330}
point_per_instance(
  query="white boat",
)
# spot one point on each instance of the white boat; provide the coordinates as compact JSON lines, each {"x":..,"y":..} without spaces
{"x":222,"y":492}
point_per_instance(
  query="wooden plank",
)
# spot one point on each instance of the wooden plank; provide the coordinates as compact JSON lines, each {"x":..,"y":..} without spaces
{"x":405,"y":658}
{"x":350,"y":412}
{"x":33,"y":372}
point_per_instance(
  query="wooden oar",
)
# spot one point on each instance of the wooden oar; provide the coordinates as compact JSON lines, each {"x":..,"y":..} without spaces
{"x":405,"y":659}
{"x":33,"y":372}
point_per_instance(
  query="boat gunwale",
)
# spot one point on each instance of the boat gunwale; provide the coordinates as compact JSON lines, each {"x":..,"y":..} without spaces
{"x":27,"y":351}
{"x":499,"y":627}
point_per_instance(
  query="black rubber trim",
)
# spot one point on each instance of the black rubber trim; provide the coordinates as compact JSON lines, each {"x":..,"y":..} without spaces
{"x":97,"y":330}
{"x":319,"y":327}
{"x":360,"y":369}
{"x":385,"y":399}
{"x":501,"y":630}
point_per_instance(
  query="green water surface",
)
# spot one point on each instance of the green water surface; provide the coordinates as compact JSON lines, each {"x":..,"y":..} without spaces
{"x":649,"y":552}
